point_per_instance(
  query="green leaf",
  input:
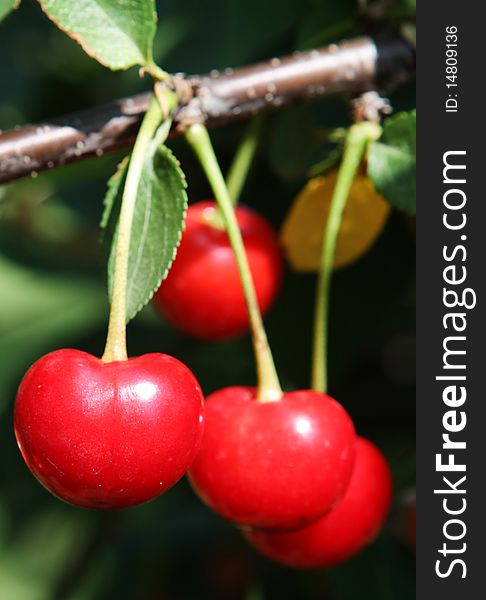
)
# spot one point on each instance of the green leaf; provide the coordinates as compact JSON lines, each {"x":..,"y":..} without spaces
{"x":7,"y":6}
{"x":391,"y":161}
{"x":157,"y":224}
{"x":117,"y":34}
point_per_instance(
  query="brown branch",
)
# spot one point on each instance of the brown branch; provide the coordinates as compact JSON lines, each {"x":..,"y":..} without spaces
{"x":221,"y":97}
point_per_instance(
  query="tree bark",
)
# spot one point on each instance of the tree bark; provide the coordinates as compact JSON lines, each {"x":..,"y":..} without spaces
{"x":351,"y":67}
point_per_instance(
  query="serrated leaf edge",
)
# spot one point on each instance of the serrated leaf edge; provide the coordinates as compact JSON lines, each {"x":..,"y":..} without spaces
{"x":176,"y":164}
{"x":89,"y":51}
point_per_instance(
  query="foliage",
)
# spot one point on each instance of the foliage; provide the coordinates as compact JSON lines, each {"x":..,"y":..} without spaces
{"x":118,"y":35}
{"x":157,"y":228}
{"x":6,"y":6}
{"x":391,"y":161}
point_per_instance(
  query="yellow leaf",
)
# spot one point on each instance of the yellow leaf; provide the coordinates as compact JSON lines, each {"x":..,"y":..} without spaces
{"x":364,"y":217}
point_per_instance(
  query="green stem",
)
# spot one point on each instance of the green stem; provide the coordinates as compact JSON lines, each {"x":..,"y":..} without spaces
{"x":157,"y":73}
{"x":355,"y":145}
{"x":268,"y":384}
{"x":116,"y":347}
{"x":243,"y":158}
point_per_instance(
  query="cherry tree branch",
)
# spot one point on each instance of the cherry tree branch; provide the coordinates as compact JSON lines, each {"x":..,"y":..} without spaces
{"x":350,"y":67}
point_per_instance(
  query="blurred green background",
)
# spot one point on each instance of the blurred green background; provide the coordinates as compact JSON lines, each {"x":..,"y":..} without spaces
{"x":52,"y":295}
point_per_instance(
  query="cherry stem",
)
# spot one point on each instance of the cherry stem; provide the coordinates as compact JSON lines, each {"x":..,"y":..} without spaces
{"x":155,"y":71}
{"x":245,"y":153}
{"x":355,"y":145}
{"x":116,"y":346}
{"x":268,"y":388}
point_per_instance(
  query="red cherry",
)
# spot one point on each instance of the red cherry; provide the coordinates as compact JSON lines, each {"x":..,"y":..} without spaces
{"x":202,"y":294}
{"x":344,"y":531}
{"x":278,"y":464}
{"x":108,"y":435}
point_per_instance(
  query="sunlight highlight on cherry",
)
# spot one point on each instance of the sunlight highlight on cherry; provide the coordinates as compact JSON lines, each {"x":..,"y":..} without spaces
{"x":279,"y":464}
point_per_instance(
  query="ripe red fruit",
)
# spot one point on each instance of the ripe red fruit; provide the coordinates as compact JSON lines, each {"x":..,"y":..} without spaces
{"x":278,"y":464}
{"x":347,"y":529}
{"x":202,"y":294}
{"x":108,"y":435}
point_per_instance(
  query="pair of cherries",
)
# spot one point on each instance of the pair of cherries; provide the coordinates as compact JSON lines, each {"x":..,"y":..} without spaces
{"x":307,"y":491}
{"x":112,"y":435}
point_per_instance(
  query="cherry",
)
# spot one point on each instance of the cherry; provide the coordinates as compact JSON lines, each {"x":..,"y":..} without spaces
{"x":202,"y":294}
{"x":344,"y":531}
{"x":108,"y":435}
{"x":279,"y":464}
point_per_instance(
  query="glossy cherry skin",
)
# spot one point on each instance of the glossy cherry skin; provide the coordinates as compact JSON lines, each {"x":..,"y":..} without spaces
{"x":202,"y":294}
{"x":108,"y":435}
{"x":344,"y":531}
{"x":278,"y":464}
